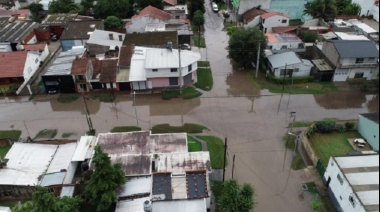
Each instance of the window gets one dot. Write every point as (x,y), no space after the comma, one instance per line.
(190,68)
(270,47)
(284,21)
(284,47)
(296,70)
(359,75)
(359,60)
(155,70)
(340,179)
(173,70)
(352,200)
(173,81)
(283,72)
(371,59)
(51,190)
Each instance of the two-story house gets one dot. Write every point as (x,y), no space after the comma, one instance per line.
(82,71)
(353,59)
(273,19)
(158,68)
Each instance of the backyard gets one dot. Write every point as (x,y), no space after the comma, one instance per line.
(326,145)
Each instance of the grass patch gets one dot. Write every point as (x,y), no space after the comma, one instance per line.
(205,80)
(216,148)
(193,145)
(104,97)
(300,124)
(186,128)
(67,135)
(14,135)
(67,98)
(303,88)
(312,188)
(4,150)
(332,144)
(47,133)
(170,94)
(203,64)
(298,162)
(125,129)
(190,93)
(199,41)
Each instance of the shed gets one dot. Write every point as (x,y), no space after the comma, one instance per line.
(368,127)
(289,64)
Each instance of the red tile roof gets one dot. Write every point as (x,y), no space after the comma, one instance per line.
(252,14)
(80,66)
(35,47)
(5,12)
(171,2)
(154,12)
(12,64)
(270,14)
(284,29)
(22,13)
(125,55)
(108,70)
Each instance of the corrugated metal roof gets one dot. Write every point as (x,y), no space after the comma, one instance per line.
(180,163)
(15,32)
(135,186)
(283,59)
(53,179)
(67,191)
(183,206)
(135,205)
(355,48)
(63,63)
(85,148)
(134,165)
(164,58)
(62,158)
(355,162)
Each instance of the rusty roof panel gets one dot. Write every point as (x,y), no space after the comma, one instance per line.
(184,162)
(134,165)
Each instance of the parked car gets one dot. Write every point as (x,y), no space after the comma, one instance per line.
(226,14)
(185,46)
(215,7)
(54,37)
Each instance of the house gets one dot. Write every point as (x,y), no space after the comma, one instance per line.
(152,39)
(102,41)
(252,17)
(353,182)
(282,42)
(170,2)
(82,71)
(122,77)
(293,8)
(17,67)
(362,28)
(273,19)
(324,72)
(15,34)
(77,33)
(42,49)
(245,5)
(177,11)
(30,164)
(288,29)
(157,68)
(151,18)
(289,64)
(58,77)
(368,127)
(104,76)
(346,36)
(353,59)
(57,23)
(160,172)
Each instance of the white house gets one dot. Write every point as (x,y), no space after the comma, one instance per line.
(353,59)
(353,182)
(273,19)
(281,42)
(102,41)
(252,17)
(368,127)
(156,68)
(289,64)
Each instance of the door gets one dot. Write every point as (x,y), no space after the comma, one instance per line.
(188,79)
(173,81)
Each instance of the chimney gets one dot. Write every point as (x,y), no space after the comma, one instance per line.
(120,38)
(111,36)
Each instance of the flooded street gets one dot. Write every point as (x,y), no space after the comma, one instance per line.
(254,121)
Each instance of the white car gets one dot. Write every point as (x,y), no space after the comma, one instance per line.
(215,7)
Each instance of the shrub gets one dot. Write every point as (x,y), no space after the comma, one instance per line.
(340,129)
(325,126)
(308,37)
(288,80)
(310,132)
(316,204)
(169,94)
(349,125)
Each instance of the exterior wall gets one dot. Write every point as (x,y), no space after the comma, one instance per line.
(352,61)
(31,65)
(33,40)
(302,72)
(342,75)
(370,131)
(341,192)
(375,12)
(255,22)
(292,46)
(159,82)
(167,72)
(45,53)
(139,24)
(366,6)
(330,52)
(274,21)
(293,8)
(5,47)
(70,173)
(95,49)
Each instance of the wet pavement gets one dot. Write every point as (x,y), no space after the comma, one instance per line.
(254,121)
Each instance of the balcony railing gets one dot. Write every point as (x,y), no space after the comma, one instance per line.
(358,65)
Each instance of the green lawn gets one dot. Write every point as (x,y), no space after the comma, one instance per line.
(302,88)
(47,133)
(332,144)
(4,150)
(67,98)
(199,43)
(203,64)
(125,129)
(194,145)
(67,135)
(205,80)
(216,148)
(190,93)
(186,128)
(169,94)
(14,135)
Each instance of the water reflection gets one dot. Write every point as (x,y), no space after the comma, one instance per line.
(347,100)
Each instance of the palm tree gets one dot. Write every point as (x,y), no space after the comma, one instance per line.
(321,9)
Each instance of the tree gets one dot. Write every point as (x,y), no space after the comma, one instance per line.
(63,6)
(87,7)
(244,44)
(352,9)
(195,5)
(118,8)
(43,200)
(112,22)
(341,6)
(100,189)
(199,21)
(326,9)
(155,3)
(236,198)
(35,10)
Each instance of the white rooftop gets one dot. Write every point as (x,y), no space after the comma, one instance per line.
(283,59)
(62,158)
(364,27)
(164,58)
(369,197)
(358,162)
(137,70)
(85,148)
(345,36)
(183,206)
(136,205)
(5,209)
(135,186)
(180,163)
(101,37)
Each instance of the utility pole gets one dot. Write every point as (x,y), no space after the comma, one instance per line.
(233,166)
(286,71)
(180,69)
(258,60)
(134,104)
(88,118)
(225,159)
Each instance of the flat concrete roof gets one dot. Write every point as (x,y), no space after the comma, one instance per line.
(322,65)
(181,205)
(135,186)
(134,205)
